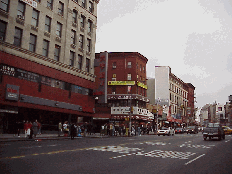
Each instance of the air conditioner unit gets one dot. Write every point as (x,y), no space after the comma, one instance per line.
(113,79)
(20,17)
(113,92)
(114,66)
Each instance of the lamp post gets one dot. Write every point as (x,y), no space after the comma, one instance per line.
(130,88)
(157,114)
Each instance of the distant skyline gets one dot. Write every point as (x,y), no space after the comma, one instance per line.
(193,38)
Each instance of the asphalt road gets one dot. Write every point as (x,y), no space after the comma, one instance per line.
(181,153)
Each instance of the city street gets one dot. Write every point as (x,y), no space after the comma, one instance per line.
(181,153)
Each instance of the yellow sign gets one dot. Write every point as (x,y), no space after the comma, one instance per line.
(121,82)
(142,85)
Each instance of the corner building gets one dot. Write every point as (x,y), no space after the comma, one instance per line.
(126,87)
(47,52)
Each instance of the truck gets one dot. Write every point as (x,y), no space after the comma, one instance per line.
(213,130)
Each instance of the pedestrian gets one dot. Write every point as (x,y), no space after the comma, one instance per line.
(26,129)
(65,128)
(35,128)
(73,131)
(59,129)
(30,130)
(39,128)
(18,128)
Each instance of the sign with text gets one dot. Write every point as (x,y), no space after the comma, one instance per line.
(12,92)
(121,82)
(31,3)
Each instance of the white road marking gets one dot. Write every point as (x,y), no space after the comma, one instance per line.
(194,159)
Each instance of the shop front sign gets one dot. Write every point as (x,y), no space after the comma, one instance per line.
(12,92)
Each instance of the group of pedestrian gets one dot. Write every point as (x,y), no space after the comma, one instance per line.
(32,129)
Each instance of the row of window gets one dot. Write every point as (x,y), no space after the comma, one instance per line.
(129,65)
(25,75)
(139,90)
(5,4)
(45,47)
(178,90)
(140,78)
(35,18)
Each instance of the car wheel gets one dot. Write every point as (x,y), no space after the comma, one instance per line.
(158,135)
(205,138)
(163,135)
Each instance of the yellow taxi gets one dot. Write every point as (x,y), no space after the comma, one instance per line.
(227,130)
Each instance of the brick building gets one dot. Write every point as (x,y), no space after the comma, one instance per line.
(126,86)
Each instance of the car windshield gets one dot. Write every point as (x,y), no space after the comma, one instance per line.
(178,128)
(213,125)
(164,128)
(191,127)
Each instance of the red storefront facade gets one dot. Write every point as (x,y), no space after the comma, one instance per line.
(32,91)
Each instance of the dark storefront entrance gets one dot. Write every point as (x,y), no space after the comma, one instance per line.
(49,120)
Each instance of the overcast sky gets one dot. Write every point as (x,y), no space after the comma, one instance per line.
(193,37)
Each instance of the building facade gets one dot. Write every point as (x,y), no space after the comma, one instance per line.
(126,87)
(47,52)
(173,93)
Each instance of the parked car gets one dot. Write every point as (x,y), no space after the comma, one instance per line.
(227,130)
(192,130)
(166,131)
(179,130)
(214,130)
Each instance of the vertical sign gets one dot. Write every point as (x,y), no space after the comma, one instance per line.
(103,77)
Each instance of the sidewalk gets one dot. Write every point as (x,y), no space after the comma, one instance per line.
(51,136)
(45,136)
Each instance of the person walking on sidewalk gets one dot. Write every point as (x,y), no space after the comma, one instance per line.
(39,128)
(30,130)
(35,128)
(26,129)
(59,129)
(73,131)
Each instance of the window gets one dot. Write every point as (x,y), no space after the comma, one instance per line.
(90,7)
(140,68)
(58,29)
(82,21)
(81,39)
(35,18)
(18,36)
(144,69)
(114,65)
(4,5)
(50,4)
(74,16)
(128,76)
(137,65)
(57,53)
(129,65)
(87,65)
(83,3)
(48,24)
(21,10)
(72,58)
(89,45)
(45,48)
(89,26)
(2,30)
(32,42)
(79,63)
(61,8)
(219,108)
(73,37)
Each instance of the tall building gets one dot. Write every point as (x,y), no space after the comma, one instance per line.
(47,52)
(173,93)
(126,86)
